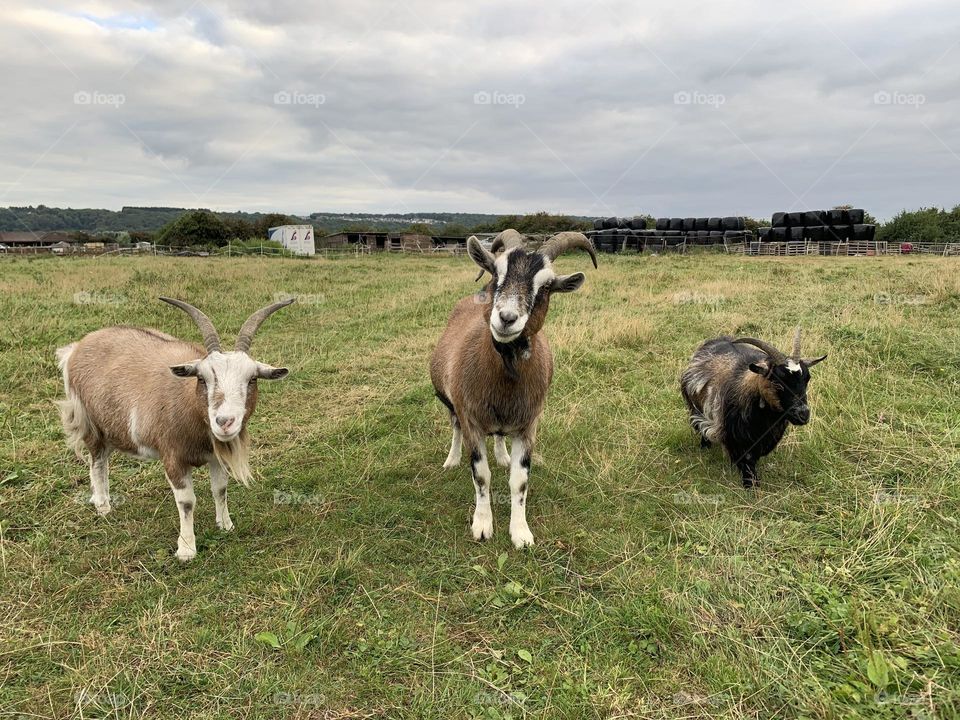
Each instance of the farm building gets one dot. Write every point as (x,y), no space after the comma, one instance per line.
(295,238)
(27,241)
(392,241)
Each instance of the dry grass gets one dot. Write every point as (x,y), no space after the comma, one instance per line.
(658,587)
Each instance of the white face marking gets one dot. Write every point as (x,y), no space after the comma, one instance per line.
(227,376)
(793,365)
(511,303)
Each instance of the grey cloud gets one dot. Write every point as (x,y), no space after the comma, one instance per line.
(600,109)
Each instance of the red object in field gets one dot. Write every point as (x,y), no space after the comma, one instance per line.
(906,248)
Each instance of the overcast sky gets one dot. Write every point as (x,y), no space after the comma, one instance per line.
(594,108)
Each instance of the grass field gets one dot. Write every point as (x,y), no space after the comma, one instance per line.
(351,588)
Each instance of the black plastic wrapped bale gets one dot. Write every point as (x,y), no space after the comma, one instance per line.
(733,223)
(703,236)
(838,217)
(689,224)
(779,233)
(676,223)
(812,217)
(701,223)
(638,223)
(763,234)
(794,219)
(715,224)
(609,223)
(622,223)
(598,224)
(864,232)
(856,216)
(779,219)
(796,233)
(716,235)
(672,233)
(815,233)
(839,233)
(663,224)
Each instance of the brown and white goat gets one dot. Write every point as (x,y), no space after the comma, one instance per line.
(148,394)
(493,366)
(743,394)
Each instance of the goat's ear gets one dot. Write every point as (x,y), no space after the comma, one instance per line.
(185,370)
(760,368)
(567,283)
(481,256)
(810,362)
(268,372)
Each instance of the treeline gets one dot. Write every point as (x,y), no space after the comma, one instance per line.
(178,226)
(440,223)
(202,227)
(89,220)
(923,225)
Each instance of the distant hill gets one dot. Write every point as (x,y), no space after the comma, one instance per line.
(90,220)
(150,219)
(332,222)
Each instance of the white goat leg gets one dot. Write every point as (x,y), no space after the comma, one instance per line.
(482,514)
(519,473)
(100,481)
(186,502)
(218,488)
(500,451)
(456,445)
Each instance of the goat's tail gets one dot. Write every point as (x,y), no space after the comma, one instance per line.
(76,423)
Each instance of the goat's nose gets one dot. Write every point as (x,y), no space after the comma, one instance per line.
(508,316)
(224,421)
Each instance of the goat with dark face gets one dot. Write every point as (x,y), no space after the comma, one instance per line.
(493,365)
(743,394)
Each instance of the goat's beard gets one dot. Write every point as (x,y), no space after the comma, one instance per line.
(234,455)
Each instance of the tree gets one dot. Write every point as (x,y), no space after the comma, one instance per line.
(455,230)
(924,225)
(270,220)
(196,227)
(420,229)
(535,223)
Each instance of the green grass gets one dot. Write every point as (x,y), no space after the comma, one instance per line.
(658,587)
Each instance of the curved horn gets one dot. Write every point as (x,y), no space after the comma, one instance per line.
(796,344)
(775,355)
(211,341)
(254,321)
(506,240)
(565,241)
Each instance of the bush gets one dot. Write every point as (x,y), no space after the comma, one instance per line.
(194,228)
(535,223)
(924,225)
